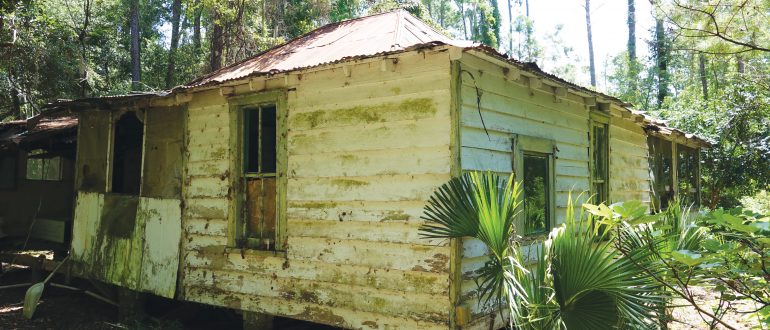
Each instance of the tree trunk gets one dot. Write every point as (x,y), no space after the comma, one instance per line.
(661,59)
(527,4)
(631,47)
(510,28)
(15,101)
(136,69)
(741,65)
(461,4)
(496,27)
(592,65)
(82,34)
(176,12)
(442,9)
(702,73)
(217,42)
(197,27)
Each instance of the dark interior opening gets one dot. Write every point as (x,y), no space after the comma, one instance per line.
(127,155)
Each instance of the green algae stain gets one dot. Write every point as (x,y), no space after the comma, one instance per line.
(348,183)
(410,109)
(395,216)
(348,158)
(312,205)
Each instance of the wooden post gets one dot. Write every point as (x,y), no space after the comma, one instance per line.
(257,321)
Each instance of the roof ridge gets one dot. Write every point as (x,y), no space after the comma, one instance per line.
(432,28)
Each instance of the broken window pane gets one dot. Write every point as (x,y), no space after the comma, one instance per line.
(251,139)
(536,194)
(600,171)
(41,166)
(687,175)
(260,139)
(267,136)
(661,171)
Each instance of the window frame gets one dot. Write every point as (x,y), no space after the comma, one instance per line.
(45,161)
(599,119)
(528,145)
(237,106)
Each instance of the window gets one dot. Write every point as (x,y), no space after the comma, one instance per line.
(127,154)
(41,166)
(259,229)
(661,170)
(533,165)
(8,172)
(687,175)
(600,150)
(536,193)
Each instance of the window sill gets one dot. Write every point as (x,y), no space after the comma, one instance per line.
(255,253)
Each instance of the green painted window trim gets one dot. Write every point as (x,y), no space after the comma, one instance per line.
(599,119)
(237,162)
(521,145)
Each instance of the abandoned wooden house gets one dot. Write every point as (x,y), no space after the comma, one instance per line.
(37,158)
(292,183)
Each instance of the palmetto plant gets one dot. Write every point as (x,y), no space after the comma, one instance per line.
(576,282)
(596,286)
(481,205)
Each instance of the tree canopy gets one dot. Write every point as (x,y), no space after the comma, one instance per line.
(707,70)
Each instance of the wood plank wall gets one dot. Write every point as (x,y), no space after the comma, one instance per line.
(629,163)
(511,107)
(365,152)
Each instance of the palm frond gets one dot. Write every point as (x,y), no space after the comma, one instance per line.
(481,205)
(597,287)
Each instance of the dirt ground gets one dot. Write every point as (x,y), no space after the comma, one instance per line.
(61,308)
(58,309)
(687,317)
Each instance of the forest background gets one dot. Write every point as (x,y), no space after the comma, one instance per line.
(702,65)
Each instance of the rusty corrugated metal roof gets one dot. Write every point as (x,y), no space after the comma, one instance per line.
(387,32)
(56,124)
(376,35)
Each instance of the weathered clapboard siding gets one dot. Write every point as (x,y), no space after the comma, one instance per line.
(318,271)
(629,167)
(365,152)
(511,107)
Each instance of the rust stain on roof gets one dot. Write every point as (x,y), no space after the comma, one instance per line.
(387,32)
(61,125)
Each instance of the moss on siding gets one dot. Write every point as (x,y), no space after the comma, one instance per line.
(348,183)
(405,110)
(312,205)
(395,216)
